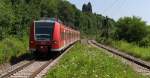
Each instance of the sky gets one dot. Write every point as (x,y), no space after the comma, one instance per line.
(118,8)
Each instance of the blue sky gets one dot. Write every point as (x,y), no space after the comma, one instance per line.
(118,8)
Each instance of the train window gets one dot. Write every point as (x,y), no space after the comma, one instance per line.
(69,34)
(62,35)
(43,30)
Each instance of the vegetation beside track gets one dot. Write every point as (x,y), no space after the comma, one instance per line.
(17,17)
(139,52)
(130,34)
(12,47)
(88,62)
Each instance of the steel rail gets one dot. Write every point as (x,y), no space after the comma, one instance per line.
(138,61)
(9,73)
(33,75)
(36,71)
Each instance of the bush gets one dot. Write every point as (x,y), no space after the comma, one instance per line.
(12,47)
(132,49)
(131,29)
(6,18)
(104,40)
(145,42)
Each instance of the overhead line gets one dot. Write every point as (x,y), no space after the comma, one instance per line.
(110,6)
(119,7)
(122,4)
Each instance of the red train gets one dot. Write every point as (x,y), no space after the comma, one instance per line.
(51,35)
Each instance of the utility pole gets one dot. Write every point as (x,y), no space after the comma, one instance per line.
(105,28)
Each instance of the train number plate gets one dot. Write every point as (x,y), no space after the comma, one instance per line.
(43,43)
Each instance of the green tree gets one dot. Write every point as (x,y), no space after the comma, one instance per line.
(49,8)
(84,8)
(6,18)
(132,29)
(107,28)
(87,8)
(67,13)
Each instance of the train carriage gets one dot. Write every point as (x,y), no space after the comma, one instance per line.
(51,35)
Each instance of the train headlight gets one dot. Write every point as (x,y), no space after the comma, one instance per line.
(54,42)
(31,42)
(41,47)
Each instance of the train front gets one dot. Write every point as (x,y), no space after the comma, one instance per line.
(41,34)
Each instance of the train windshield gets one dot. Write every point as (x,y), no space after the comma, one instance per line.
(43,30)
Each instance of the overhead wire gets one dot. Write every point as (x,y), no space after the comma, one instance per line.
(117,5)
(120,6)
(109,7)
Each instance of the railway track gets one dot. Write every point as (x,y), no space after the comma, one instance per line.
(130,58)
(32,69)
(28,70)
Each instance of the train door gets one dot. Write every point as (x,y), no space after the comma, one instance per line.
(62,36)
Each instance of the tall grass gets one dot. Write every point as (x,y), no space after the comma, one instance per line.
(12,46)
(84,61)
(139,52)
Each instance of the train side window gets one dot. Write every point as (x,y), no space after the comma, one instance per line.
(67,35)
(62,35)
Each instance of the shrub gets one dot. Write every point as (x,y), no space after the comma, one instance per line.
(12,46)
(132,49)
(131,29)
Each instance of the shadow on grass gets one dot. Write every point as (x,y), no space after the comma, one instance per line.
(30,56)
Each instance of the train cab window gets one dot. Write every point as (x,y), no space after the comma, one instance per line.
(43,30)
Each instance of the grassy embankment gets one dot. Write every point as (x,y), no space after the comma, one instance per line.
(139,52)
(12,47)
(88,62)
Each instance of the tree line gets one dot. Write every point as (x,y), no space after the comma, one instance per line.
(17,15)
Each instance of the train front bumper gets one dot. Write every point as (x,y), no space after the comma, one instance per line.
(43,49)
(32,49)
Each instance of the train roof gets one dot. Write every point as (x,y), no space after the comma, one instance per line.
(45,19)
(53,20)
